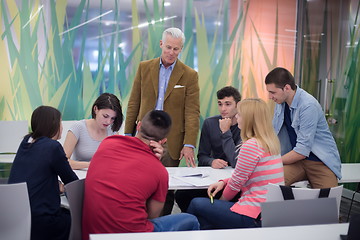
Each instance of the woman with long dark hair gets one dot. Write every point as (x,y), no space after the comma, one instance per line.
(39,161)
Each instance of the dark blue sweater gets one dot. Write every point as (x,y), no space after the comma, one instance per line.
(214,144)
(39,164)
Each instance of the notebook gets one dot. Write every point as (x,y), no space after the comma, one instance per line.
(299,212)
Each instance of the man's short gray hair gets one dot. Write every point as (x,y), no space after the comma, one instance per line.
(175,33)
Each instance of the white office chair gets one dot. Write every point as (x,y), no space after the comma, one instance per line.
(275,194)
(75,195)
(12,133)
(15,215)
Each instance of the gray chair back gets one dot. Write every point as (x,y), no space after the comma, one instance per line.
(75,195)
(15,214)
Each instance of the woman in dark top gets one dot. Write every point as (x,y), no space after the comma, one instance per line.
(39,161)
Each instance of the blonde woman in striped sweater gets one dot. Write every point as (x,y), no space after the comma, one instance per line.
(259,163)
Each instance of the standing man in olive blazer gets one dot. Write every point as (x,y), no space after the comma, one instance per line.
(167,84)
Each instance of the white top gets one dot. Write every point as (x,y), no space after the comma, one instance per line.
(318,232)
(86,145)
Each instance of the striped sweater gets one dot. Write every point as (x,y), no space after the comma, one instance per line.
(254,170)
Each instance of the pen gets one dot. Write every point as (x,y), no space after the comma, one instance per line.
(211,199)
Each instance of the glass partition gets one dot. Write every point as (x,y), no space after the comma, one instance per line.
(330,67)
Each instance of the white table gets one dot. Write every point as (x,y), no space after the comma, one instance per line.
(310,232)
(7,158)
(350,173)
(177,179)
(81,173)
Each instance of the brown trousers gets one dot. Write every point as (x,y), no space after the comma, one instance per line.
(316,172)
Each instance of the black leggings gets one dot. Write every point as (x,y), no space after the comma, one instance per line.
(51,227)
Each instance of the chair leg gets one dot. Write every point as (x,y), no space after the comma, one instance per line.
(352,200)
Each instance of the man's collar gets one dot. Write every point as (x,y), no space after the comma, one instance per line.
(171,66)
(296,98)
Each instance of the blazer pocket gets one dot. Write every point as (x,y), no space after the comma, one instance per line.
(178,93)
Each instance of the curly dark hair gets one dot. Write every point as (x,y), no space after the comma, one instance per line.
(229,91)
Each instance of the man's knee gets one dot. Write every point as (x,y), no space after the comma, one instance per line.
(324,181)
(294,173)
(319,175)
(290,178)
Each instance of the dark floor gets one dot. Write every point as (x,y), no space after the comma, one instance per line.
(344,208)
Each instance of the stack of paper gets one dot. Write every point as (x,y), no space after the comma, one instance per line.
(194,176)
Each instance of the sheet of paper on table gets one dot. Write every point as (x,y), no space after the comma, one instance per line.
(198,177)
(191,172)
(196,181)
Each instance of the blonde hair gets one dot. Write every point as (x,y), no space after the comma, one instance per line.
(257,123)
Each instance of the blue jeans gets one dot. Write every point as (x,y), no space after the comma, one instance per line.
(218,215)
(175,222)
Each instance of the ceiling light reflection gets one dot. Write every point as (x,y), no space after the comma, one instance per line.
(141,25)
(82,24)
(32,16)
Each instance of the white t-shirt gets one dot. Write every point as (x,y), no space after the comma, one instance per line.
(86,145)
